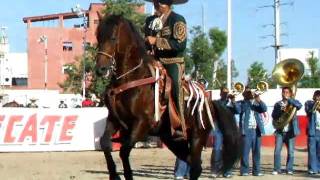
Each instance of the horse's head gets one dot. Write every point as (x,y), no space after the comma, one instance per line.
(113,36)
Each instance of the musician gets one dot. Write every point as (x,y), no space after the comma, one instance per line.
(251,128)
(312,108)
(228,101)
(169,45)
(287,134)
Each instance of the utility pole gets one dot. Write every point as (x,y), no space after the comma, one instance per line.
(203,18)
(82,14)
(277,30)
(44,39)
(229,46)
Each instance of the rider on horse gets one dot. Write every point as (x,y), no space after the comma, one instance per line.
(166,32)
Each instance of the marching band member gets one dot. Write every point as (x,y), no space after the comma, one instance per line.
(312,108)
(252,128)
(287,134)
(228,101)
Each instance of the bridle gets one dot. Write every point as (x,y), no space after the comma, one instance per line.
(113,65)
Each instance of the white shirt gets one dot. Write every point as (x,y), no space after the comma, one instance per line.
(252,121)
(317,120)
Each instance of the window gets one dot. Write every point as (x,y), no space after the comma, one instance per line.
(67,46)
(19,81)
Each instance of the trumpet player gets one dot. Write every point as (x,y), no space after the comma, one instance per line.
(252,128)
(226,100)
(287,134)
(312,108)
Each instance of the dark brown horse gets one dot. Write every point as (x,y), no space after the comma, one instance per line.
(122,56)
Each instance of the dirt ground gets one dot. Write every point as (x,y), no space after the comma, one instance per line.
(152,163)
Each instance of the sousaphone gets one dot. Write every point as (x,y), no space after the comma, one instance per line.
(287,73)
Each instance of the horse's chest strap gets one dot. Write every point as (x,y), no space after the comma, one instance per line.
(132,84)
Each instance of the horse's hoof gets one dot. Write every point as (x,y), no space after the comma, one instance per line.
(117,177)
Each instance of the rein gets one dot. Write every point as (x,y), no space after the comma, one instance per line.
(113,66)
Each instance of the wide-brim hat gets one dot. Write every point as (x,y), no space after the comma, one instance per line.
(173,1)
(33,99)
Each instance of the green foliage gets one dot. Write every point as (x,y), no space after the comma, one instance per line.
(218,41)
(202,57)
(74,71)
(257,73)
(126,8)
(311,79)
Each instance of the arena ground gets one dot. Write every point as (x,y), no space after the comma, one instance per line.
(152,163)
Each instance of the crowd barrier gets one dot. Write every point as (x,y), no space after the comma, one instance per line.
(40,129)
(78,129)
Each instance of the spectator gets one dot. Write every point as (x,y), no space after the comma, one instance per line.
(32,103)
(62,104)
(88,102)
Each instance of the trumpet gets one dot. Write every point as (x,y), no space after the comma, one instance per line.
(316,106)
(262,87)
(238,88)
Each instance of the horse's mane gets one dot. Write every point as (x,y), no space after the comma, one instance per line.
(108,22)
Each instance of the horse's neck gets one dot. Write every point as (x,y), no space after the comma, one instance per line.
(132,69)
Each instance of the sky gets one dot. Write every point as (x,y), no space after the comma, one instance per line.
(300,24)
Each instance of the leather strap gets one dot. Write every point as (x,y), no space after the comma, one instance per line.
(132,84)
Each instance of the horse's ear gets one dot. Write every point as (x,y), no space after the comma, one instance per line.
(100,16)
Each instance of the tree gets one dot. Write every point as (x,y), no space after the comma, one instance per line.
(200,53)
(221,74)
(257,73)
(126,8)
(202,57)
(311,80)
(74,71)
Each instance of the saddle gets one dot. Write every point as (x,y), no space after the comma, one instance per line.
(192,90)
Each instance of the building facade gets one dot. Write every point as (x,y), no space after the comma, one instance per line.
(51,48)
(303,54)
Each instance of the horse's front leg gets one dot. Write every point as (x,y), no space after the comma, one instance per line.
(106,146)
(197,143)
(139,131)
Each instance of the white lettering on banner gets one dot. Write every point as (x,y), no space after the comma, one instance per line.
(35,130)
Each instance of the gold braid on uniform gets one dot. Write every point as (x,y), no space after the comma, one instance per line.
(162,44)
(180,31)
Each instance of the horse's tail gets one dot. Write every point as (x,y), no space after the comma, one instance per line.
(232,143)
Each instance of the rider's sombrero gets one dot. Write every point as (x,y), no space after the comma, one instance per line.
(173,1)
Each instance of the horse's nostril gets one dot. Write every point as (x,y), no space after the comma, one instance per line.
(101,71)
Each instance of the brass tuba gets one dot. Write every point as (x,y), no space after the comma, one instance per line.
(287,73)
